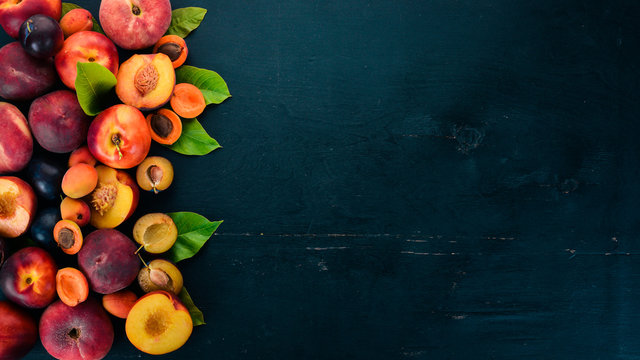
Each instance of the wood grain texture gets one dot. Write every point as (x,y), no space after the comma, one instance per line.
(415,179)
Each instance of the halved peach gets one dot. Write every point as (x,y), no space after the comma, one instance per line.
(146,81)
(158,323)
(114,199)
(17,206)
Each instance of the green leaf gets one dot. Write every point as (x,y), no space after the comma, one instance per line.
(213,87)
(93,85)
(66,7)
(194,140)
(196,314)
(185,20)
(193,231)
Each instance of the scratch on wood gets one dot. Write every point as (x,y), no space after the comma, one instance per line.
(327,248)
(428,253)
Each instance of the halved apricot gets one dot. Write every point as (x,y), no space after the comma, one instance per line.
(160,275)
(146,81)
(155,232)
(174,47)
(154,173)
(165,126)
(187,100)
(68,236)
(72,286)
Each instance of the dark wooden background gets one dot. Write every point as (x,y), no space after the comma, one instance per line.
(415,180)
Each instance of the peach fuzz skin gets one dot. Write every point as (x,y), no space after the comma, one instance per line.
(16,142)
(135,31)
(119,137)
(28,278)
(85,46)
(14,12)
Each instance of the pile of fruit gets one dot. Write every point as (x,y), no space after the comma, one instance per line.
(65,256)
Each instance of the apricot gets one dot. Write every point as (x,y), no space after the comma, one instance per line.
(81,155)
(119,303)
(187,100)
(158,323)
(79,180)
(156,232)
(68,236)
(114,199)
(174,47)
(72,286)
(108,260)
(75,210)
(165,126)
(154,173)
(146,81)
(75,21)
(160,275)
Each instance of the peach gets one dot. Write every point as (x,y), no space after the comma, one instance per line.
(17,206)
(156,232)
(16,143)
(154,173)
(58,122)
(81,155)
(160,275)
(76,20)
(135,25)
(28,278)
(81,332)
(85,46)
(80,180)
(114,199)
(23,77)
(158,323)
(108,259)
(18,331)
(75,210)
(119,303)
(119,137)
(146,81)
(14,12)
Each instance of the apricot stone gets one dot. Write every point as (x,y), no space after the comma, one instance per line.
(146,81)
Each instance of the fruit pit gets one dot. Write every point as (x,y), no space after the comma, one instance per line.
(146,79)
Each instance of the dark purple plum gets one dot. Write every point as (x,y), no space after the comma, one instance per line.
(45,176)
(42,227)
(41,36)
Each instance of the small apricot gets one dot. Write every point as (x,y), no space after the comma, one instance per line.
(165,126)
(174,47)
(187,100)
(160,275)
(82,155)
(79,180)
(119,303)
(72,286)
(76,20)
(68,236)
(155,232)
(154,173)
(75,210)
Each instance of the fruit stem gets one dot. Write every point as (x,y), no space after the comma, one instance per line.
(140,248)
(116,141)
(145,264)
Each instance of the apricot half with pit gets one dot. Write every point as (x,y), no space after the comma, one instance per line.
(146,81)
(160,274)
(155,173)
(155,232)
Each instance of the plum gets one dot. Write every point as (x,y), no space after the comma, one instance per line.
(45,175)
(41,36)
(108,259)
(42,227)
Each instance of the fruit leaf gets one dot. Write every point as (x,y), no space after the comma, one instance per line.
(185,20)
(194,140)
(193,231)
(196,314)
(66,7)
(213,87)
(93,85)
